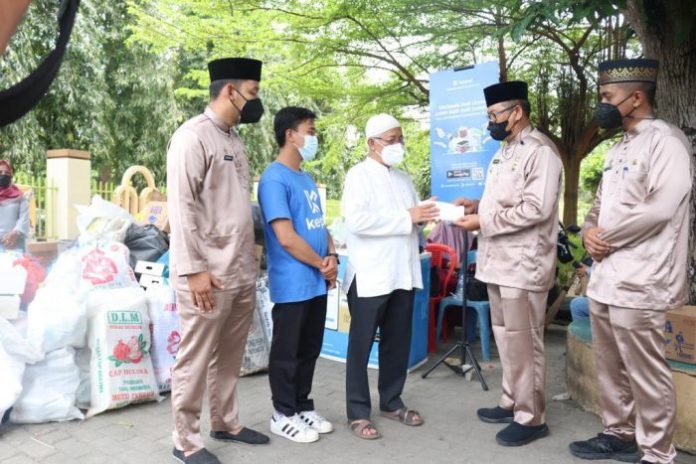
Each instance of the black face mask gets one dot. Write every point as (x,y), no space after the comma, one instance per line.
(498,130)
(5,180)
(608,116)
(251,112)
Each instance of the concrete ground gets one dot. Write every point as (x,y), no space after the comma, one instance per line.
(452,433)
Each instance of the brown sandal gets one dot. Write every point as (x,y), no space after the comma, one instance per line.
(359,426)
(405,416)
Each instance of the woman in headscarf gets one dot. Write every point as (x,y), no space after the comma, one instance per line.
(14,211)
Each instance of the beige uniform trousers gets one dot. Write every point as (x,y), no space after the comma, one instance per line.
(635,380)
(518,318)
(210,355)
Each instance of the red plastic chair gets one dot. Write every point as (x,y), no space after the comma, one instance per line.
(445,259)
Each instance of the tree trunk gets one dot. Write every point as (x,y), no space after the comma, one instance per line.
(668,37)
(571,166)
(502,60)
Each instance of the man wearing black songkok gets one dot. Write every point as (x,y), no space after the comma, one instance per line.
(212,258)
(517,219)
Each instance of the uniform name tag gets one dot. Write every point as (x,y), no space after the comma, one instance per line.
(229,157)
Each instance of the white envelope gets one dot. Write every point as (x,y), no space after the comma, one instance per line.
(449,212)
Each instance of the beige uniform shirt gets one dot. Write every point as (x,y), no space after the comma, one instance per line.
(209,203)
(519,214)
(643,204)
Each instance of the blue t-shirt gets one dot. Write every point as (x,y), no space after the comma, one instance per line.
(293,195)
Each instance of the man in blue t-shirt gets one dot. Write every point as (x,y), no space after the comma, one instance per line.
(302,264)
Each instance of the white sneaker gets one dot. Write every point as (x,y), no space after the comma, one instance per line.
(316,421)
(293,428)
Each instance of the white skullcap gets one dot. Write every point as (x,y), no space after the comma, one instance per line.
(378,125)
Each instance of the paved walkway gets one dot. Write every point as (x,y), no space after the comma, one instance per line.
(141,434)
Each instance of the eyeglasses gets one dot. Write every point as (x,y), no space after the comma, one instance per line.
(493,115)
(392,141)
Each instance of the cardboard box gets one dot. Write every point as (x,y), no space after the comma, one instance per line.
(147,280)
(337,326)
(343,314)
(155,212)
(9,306)
(337,314)
(680,335)
(149,267)
(150,273)
(13,282)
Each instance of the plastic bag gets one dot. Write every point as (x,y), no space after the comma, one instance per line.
(35,276)
(258,345)
(15,353)
(65,271)
(264,306)
(11,372)
(146,243)
(56,319)
(339,232)
(7,259)
(105,266)
(257,215)
(121,371)
(257,349)
(164,327)
(164,259)
(102,220)
(49,388)
(83,359)
(15,344)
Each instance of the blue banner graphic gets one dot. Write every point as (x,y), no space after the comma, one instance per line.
(460,146)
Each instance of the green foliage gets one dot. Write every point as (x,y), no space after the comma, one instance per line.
(116,102)
(346,60)
(563,12)
(591,171)
(566,271)
(135,70)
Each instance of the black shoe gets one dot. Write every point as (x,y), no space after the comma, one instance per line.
(246,435)
(6,416)
(202,456)
(517,434)
(496,415)
(605,446)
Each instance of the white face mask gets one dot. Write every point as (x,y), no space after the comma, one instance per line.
(308,151)
(393,154)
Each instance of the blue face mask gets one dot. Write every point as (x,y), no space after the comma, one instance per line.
(308,151)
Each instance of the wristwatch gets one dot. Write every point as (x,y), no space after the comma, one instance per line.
(335,255)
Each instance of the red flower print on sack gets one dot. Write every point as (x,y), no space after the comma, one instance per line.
(173,342)
(98,268)
(121,352)
(135,355)
(131,352)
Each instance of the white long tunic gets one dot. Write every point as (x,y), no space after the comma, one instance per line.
(382,240)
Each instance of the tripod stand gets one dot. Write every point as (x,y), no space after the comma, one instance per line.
(466,352)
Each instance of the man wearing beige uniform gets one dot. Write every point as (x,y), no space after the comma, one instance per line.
(637,233)
(212,258)
(518,221)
